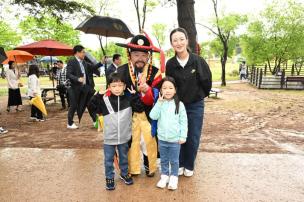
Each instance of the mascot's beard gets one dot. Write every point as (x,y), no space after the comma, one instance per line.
(139,69)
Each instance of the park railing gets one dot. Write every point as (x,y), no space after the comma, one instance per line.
(284,78)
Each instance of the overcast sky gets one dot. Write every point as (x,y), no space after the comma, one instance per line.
(125,10)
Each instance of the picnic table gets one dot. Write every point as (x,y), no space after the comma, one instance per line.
(44,94)
(214,91)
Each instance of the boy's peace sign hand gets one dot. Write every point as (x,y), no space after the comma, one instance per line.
(132,91)
(160,97)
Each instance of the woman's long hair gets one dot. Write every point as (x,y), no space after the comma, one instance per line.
(10,64)
(33,69)
(175,97)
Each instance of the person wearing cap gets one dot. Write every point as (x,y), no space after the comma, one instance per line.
(141,75)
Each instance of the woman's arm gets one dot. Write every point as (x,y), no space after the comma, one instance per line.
(205,76)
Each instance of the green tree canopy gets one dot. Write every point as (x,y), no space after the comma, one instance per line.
(277,36)
(9,38)
(159,31)
(56,8)
(224,28)
(49,28)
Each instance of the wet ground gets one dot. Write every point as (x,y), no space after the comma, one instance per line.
(77,175)
(252,150)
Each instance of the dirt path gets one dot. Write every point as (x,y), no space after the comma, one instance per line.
(252,150)
(242,120)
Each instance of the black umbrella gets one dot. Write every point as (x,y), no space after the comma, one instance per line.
(105,26)
(2,55)
(90,59)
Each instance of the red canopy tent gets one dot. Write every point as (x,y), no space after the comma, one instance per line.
(47,47)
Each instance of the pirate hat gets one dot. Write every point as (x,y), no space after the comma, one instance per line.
(144,43)
(138,43)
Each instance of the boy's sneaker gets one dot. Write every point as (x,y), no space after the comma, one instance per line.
(73,126)
(110,184)
(181,171)
(128,180)
(162,183)
(188,173)
(40,120)
(3,131)
(173,182)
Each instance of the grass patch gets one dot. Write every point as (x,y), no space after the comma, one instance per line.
(231,71)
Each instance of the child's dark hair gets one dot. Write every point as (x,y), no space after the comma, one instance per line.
(33,69)
(175,97)
(115,77)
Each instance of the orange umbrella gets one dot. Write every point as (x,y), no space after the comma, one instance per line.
(18,56)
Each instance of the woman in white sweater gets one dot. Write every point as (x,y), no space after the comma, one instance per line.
(34,90)
(14,95)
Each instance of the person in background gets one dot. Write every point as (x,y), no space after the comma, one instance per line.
(243,70)
(14,95)
(54,70)
(33,91)
(62,84)
(80,74)
(113,67)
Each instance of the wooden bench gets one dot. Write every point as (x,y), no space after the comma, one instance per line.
(214,91)
(44,92)
(294,79)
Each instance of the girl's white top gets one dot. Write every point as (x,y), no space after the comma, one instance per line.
(33,85)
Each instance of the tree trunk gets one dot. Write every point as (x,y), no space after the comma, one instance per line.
(136,5)
(186,20)
(269,65)
(223,63)
(144,16)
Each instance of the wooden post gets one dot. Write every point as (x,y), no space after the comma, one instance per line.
(261,78)
(257,76)
(253,75)
(282,78)
(265,69)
